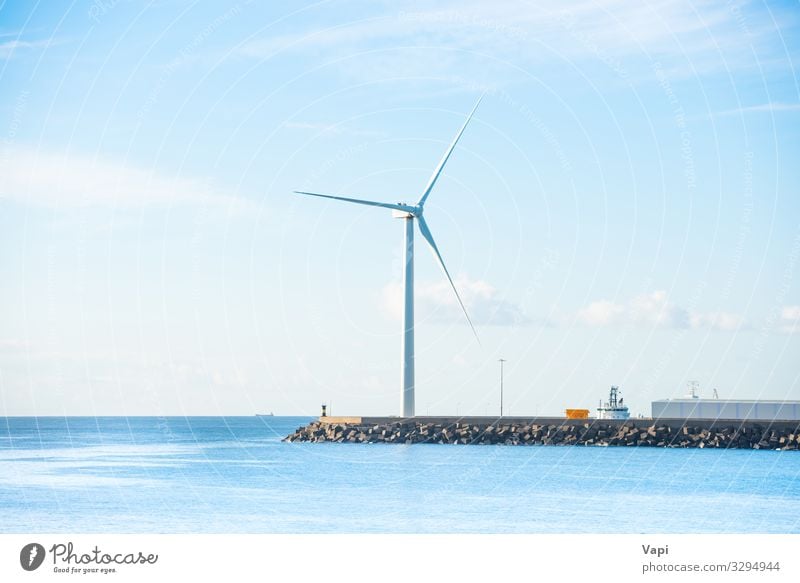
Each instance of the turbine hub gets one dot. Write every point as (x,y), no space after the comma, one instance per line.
(407,211)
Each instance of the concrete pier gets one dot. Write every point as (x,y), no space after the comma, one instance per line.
(645,432)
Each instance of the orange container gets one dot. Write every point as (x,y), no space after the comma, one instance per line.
(577,413)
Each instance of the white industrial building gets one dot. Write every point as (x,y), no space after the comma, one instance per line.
(740,410)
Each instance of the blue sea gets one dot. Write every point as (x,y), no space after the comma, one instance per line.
(234,475)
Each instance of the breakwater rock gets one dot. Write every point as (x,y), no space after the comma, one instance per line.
(691,434)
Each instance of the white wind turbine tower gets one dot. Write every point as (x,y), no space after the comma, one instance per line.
(409,213)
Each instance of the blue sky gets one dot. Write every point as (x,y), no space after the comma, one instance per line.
(623,209)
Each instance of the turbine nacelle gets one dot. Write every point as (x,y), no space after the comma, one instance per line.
(407,212)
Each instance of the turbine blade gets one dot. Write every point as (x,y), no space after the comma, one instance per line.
(438,170)
(426,233)
(397,207)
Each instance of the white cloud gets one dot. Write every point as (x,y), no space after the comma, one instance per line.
(718,321)
(68,180)
(601,313)
(790,319)
(436,302)
(655,309)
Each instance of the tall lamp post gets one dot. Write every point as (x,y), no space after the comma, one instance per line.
(501,360)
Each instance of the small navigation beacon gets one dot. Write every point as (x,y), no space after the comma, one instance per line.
(324,411)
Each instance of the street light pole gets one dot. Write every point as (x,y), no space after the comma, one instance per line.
(501,360)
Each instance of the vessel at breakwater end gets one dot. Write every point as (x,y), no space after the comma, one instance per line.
(614,408)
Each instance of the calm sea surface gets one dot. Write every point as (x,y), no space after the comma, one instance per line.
(233,474)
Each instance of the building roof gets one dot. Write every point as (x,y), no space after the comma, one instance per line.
(753,401)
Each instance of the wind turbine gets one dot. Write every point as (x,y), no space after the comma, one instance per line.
(409,213)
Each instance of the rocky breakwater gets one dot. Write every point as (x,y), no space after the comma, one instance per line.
(592,432)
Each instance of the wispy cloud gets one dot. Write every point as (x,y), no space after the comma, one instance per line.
(655,309)
(608,30)
(11,47)
(336,129)
(348,33)
(70,180)
(762,108)
(12,346)
(435,302)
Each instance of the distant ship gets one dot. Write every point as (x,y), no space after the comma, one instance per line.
(613,408)
(270,414)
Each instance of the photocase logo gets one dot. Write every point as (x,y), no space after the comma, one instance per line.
(31,556)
